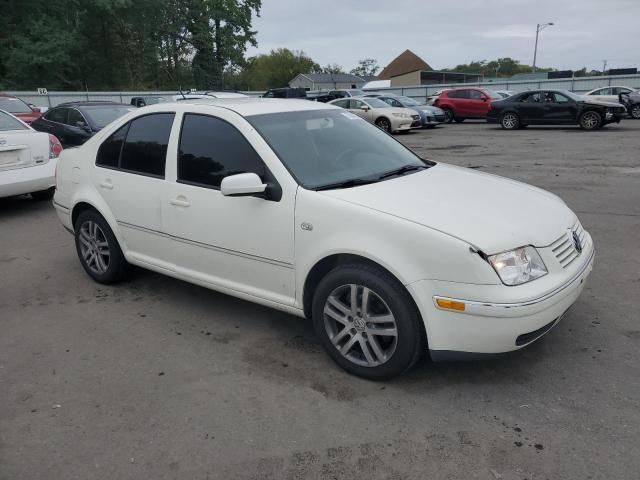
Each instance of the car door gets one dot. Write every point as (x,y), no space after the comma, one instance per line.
(238,244)
(360,108)
(76,129)
(531,108)
(130,177)
(477,104)
(53,122)
(602,95)
(461,102)
(559,109)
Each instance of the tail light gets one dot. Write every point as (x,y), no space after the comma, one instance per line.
(55,147)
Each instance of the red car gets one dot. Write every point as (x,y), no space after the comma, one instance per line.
(19,108)
(461,103)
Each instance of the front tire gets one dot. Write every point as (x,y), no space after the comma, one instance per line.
(634,111)
(367,322)
(590,120)
(98,249)
(510,121)
(384,124)
(448,115)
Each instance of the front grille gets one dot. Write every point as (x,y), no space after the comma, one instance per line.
(440,118)
(564,248)
(531,336)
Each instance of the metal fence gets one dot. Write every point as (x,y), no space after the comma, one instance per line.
(419,92)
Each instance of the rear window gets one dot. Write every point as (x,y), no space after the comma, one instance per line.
(14,105)
(7,122)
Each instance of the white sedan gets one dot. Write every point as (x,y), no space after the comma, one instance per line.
(27,159)
(607,94)
(311,210)
(381,114)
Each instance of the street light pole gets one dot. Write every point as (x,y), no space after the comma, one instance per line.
(539,28)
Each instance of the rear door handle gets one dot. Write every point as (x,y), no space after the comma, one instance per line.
(180,201)
(106,184)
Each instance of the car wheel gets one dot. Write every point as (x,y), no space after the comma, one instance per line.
(367,322)
(43,194)
(448,115)
(384,124)
(98,249)
(459,120)
(510,121)
(635,111)
(590,120)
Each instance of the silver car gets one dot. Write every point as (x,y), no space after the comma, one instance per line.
(381,114)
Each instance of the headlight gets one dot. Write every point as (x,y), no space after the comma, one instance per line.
(518,266)
(401,115)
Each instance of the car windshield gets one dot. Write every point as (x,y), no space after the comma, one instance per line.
(376,103)
(325,147)
(409,102)
(103,115)
(495,95)
(7,122)
(14,105)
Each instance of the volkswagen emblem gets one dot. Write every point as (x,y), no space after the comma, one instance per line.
(576,242)
(2,141)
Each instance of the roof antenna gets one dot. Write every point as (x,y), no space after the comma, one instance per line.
(173,81)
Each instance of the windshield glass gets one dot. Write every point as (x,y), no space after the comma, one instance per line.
(323,147)
(376,103)
(7,122)
(102,116)
(409,102)
(14,105)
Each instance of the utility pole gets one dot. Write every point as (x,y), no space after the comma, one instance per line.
(539,28)
(604,66)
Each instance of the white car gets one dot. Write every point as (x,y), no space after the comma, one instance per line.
(27,159)
(308,209)
(505,93)
(381,114)
(607,94)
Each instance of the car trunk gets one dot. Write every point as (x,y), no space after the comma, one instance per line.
(23,148)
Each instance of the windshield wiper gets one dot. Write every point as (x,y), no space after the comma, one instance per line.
(402,171)
(354,182)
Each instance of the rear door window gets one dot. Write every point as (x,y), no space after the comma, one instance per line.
(109,151)
(58,115)
(145,148)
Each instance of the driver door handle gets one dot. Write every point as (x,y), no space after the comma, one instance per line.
(106,184)
(180,201)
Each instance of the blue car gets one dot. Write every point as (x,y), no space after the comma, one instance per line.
(430,116)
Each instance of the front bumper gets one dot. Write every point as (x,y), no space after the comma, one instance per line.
(492,327)
(28,179)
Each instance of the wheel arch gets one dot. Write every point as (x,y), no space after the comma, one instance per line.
(85,202)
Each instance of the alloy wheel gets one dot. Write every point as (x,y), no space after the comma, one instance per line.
(635,111)
(94,247)
(360,325)
(509,121)
(590,120)
(384,124)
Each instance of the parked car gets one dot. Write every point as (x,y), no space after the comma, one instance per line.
(553,107)
(505,93)
(27,159)
(73,123)
(461,103)
(607,94)
(432,98)
(347,93)
(147,100)
(299,93)
(321,215)
(381,114)
(631,102)
(19,108)
(430,116)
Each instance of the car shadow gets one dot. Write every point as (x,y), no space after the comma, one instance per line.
(21,205)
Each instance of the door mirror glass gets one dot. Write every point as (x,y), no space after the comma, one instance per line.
(364,107)
(242,184)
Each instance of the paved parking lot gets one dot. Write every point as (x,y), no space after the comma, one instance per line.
(159,379)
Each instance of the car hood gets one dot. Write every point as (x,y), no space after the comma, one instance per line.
(27,117)
(429,108)
(393,110)
(600,103)
(489,212)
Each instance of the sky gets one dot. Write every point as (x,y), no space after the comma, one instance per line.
(448,33)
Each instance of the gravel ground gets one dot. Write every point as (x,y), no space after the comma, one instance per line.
(159,379)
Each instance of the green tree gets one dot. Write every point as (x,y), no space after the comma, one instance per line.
(501,67)
(332,68)
(366,67)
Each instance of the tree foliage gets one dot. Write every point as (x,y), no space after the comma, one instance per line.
(118,44)
(366,67)
(502,67)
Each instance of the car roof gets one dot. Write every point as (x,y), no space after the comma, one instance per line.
(90,104)
(250,105)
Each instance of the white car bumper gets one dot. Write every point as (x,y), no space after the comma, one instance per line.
(492,327)
(28,179)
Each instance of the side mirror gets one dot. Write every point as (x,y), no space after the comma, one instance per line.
(484,99)
(35,109)
(366,108)
(241,185)
(83,126)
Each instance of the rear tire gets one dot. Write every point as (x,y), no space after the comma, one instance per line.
(590,120)
(354,332)
(459,119)
(98,249)
(448,115)
(384,124)
(510,121)
(43,194)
